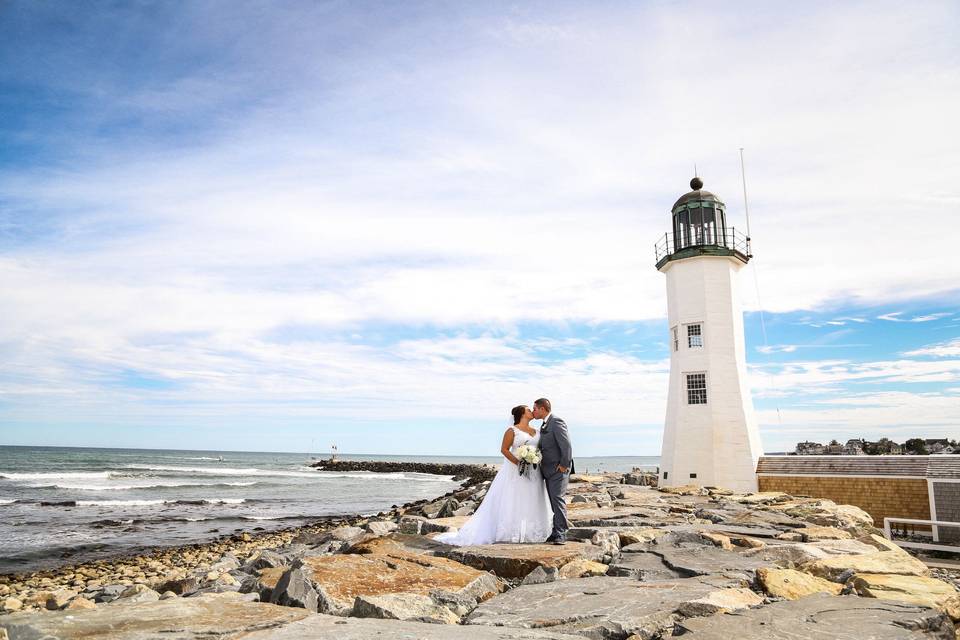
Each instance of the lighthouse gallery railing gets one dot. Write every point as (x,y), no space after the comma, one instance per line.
(726,238)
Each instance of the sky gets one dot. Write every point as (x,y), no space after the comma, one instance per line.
(277,226)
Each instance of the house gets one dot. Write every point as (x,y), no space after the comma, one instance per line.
(937,445)
(833,449)
(809,448)
(854,447)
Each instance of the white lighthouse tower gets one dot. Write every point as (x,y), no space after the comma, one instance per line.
(710,437)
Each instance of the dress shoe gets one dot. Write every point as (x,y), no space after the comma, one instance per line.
(561,539)
(551,539)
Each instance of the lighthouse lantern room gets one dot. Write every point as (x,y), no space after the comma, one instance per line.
(710,435)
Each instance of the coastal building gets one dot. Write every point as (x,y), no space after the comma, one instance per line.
(809,448)
(710,432)
(854,447)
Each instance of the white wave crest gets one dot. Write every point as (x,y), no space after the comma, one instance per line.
(91,475)
(261,517)
(150,503)
(5,501)
(218,471)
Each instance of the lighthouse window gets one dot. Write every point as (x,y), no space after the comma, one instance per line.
(676,340)
(694,336)
(696,388)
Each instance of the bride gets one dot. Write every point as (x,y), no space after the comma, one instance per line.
(516,508)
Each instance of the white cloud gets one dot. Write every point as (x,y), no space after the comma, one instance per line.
(942,350)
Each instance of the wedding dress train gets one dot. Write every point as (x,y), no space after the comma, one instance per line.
(515,509)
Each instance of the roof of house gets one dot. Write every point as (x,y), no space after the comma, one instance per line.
(907,466)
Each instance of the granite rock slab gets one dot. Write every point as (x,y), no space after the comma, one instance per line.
(223,616)
(324,627)
(517,560)
(603,607)
(824,617)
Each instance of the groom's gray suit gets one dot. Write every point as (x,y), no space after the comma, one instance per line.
(556,450)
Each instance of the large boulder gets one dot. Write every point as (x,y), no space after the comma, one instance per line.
(792,584)
(388,568)
(920,590)
(207,616)
(517,560)
(824,617)
(596,607)
(403,606)
(841,568)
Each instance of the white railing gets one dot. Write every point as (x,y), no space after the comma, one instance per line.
(935,529)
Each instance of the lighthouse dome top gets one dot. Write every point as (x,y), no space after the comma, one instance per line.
(697,194)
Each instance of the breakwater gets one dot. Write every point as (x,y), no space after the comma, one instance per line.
(471,473)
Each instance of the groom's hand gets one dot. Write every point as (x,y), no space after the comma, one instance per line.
(561,469)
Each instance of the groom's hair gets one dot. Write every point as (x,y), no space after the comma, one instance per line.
(543,403)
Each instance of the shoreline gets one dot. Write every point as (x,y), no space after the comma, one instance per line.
(254,537)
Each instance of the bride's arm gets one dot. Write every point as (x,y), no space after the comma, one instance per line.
(505,447)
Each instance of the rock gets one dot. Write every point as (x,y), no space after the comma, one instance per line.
(582,569)
(517,560)
(542,575)
(138,593)
(685,490)
(166,595)
(391,570)
(823,617)
(208,616)
(581,498)
(442,525)
(411,525)
(381,527)
(179,585)
(80,603)
(328,627)
(919,590)
(790,536)
(721,600)
(110,592)
(59,599)
(639,536)
(792,584)
(403,606)
(718,539)
(345,534)
(594,607)
(815,534)
(11,604)
(607,541)
(647,567)
(840,568)
(700,560)
(295,589)
(788,555)
(264,559)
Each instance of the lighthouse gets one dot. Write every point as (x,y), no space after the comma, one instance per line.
(710,436)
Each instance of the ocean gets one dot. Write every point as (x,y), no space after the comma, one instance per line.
(63,505)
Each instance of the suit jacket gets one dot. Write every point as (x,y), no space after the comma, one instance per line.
(555,446)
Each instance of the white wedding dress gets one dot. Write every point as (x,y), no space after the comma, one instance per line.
(515,509)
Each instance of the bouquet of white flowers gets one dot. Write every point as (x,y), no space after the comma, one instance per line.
(528,457)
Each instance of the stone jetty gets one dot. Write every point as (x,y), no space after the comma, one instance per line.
(641,563)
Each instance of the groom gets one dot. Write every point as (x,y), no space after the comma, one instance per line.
(556,465)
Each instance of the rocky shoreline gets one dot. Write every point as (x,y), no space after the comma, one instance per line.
(471,474)
(642,563)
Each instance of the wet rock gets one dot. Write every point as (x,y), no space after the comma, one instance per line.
(517,560)
(174,619)
(824,617)
(792,584)
(403,606)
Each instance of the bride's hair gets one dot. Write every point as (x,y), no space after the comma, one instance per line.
(518,412)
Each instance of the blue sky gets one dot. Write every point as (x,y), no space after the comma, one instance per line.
(239,225)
